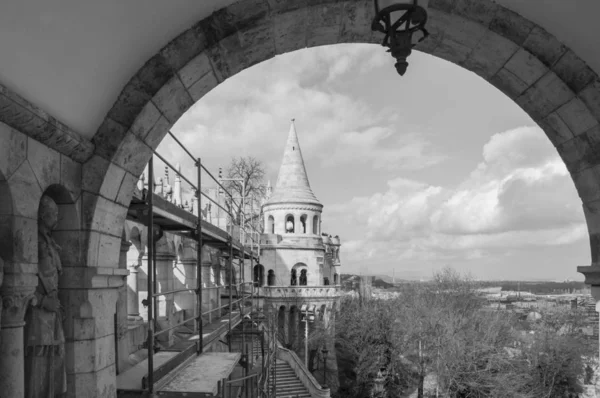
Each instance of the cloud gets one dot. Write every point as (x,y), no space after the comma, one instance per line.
(251,111)
(519,197)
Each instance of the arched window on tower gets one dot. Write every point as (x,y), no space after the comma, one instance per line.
(259,275)
(303,219)
(303,277)
(315,225)
(293,279)
(271,225)
(335,279)
(289,224)
(271,278)
(326,281)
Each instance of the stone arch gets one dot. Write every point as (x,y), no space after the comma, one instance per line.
(315,225)
(271,278)
(546,78)
(303,223)
(259,275)
(281,325)
(271,225)
(289,224)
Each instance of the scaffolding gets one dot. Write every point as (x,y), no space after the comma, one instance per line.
(173,372)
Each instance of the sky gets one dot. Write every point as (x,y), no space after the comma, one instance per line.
(436,168)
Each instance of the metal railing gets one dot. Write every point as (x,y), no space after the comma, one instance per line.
(152,287)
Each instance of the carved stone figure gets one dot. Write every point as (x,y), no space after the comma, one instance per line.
(45,374)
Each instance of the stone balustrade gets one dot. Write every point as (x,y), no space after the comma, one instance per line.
(302,291)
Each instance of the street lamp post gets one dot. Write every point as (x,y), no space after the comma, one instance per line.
(325,351)
(307,317)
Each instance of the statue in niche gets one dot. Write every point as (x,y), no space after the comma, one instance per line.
(45,374)
(303,278)
(293,281)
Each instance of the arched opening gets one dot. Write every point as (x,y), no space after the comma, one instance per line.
(6,222)
(326,281)
(290,225)
(271,225)
(271,278)
(294,277)
(259,275)
(281,326)
(315,225)
(303,277)
(335,279)
(303,219)
(294,325)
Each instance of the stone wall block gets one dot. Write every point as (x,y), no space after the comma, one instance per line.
(591,148)
(511,25)
(126,190)
(357,17)
(173,99)
(290,31)
(544,46)
(461,30)
(103,215)
(226,21)
(195,70)
(572,153)
(112,181)
(258,43)
(145,120)
(324,23)
(133,154)
(203,86)
(45,163)
(526,67)
(99,384)
(442,5)
(108,251)
(14,267)
(26,191)
(577,116)
(23,245)
(13,146)
(545,96)
(282,6)
(153,76)
(70,175)
(452,51)
(158,132)
(591,96)
(586,182)
(108,137)
(92,238)
(184,47)
(556,129)
(93,172)
(492,52)
(130,103)
(218,62)
(72,247)
(427,46)
(476,10)
(574,71)
(90,355)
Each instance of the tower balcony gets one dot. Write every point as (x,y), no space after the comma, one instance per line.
(293,292)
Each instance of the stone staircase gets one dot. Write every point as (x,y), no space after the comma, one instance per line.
(288,384)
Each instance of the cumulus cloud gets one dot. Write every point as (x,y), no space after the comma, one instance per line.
(249,115)
(520,196)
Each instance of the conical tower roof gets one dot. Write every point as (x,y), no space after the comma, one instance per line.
(292,182)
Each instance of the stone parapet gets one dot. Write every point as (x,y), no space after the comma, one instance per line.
(302,291)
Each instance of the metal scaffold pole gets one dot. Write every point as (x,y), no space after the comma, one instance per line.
(199,259)
(230,285)
(149,299)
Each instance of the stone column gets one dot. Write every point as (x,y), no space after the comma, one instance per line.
(16,297)
(122,348)
(133,299)
(164,278)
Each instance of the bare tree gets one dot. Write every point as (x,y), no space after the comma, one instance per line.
(245,181)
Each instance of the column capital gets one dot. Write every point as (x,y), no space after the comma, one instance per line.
(15,301)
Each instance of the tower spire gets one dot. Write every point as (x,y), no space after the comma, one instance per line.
(292,181)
